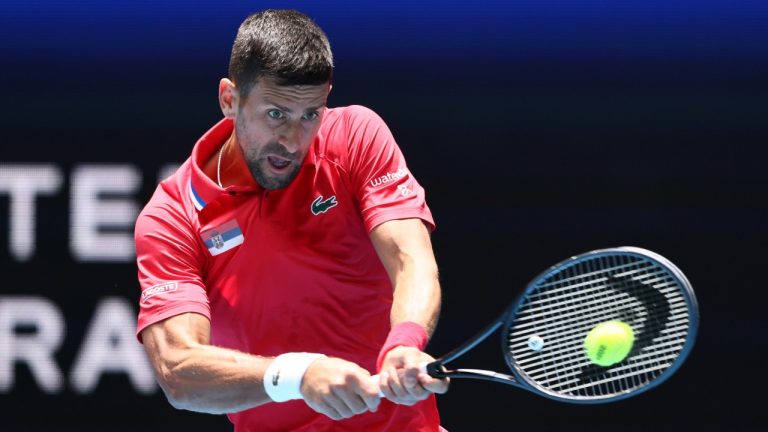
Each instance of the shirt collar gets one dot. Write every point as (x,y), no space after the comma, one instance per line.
(202,189)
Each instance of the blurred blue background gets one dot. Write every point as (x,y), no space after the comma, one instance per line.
(540,129)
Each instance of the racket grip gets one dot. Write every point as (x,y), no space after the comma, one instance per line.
(375,378)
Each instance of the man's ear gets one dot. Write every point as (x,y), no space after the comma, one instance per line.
(229,98)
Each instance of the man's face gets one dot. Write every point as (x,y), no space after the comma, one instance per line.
(275,126)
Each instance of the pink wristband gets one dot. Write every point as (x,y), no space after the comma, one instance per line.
(406,333)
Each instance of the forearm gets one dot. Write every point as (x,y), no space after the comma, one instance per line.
(416,296)
(200,377)
(405,249)
(401,358)
(217,381)
(214,380)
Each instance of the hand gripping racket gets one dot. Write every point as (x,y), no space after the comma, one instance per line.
(543,331)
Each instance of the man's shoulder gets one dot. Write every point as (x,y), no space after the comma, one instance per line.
(174,185)
(347,127)
(351,114)
(171,195)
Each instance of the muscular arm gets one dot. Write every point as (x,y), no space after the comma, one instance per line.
(405,250)
(199,377)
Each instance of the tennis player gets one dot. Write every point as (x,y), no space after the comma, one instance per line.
(289,258)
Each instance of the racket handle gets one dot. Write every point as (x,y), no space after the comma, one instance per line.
(375,378)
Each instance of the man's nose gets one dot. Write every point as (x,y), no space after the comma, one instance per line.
(290,137)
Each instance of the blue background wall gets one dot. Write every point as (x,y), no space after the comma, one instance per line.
(540,129)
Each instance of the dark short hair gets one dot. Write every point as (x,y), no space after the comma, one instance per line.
(284,45)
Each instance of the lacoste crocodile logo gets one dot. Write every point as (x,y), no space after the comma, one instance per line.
(319,205)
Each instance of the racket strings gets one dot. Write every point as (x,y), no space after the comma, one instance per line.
(593,306)
(563,347)
(545,376)
(565,306)
(592,313)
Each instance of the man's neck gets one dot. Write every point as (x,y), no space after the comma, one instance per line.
(227,166)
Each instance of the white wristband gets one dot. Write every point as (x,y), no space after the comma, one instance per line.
(282,380)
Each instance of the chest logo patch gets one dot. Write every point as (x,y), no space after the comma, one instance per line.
(320,205)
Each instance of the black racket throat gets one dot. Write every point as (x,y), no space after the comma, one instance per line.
(471,343)
(437,370)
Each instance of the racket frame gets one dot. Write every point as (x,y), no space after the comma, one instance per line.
(437,368)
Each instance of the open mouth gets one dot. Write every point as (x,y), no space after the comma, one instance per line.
(278,162)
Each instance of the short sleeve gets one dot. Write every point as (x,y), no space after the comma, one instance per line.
(386,189)
(169,264)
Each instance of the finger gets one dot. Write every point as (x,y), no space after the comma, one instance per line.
(393,389)
(384,386)
(414,365)
(339,406)
(396,385)
(369,393)
(326,409)
(411,384)
(434,385)
(372,402)
(333,413)
(412,376)
(352,401)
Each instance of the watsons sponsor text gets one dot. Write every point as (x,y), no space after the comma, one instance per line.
(389,177)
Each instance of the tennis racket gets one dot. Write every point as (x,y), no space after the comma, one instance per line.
(543,331)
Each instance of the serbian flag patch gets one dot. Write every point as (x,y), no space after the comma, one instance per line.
(222,238)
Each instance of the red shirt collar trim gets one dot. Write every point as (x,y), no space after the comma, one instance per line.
(203,190)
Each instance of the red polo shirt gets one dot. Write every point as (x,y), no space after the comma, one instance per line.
(291,269)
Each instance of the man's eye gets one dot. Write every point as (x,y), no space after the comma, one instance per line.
(310,116)
(274,114)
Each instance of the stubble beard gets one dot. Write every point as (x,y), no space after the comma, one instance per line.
(259,167)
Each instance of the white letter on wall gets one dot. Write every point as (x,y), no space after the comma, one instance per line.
(23,183)
(110,346)
(166,171)
(91,213)
(35,348)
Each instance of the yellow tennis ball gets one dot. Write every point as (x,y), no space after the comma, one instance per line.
(609,342)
